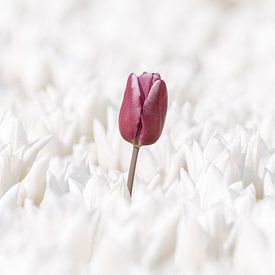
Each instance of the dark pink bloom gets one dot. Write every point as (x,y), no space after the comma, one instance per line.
(143,109)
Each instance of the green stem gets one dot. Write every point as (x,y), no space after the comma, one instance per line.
(132,169)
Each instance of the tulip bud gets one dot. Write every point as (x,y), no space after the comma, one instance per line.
(143,109)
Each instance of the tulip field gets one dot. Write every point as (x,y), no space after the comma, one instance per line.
(137,137)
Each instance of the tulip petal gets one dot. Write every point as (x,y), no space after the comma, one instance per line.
(146,81)
(129,116)
(153,113)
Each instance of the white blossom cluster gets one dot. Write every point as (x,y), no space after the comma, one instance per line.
(204,195)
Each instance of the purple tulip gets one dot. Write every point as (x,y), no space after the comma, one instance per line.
(143,109)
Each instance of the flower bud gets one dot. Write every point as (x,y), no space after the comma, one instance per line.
(143,109)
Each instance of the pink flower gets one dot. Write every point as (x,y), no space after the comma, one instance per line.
(143,109)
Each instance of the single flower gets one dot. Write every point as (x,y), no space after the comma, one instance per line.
(143,109)
(142,114)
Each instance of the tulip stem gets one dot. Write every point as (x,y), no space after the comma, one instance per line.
(132,168)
